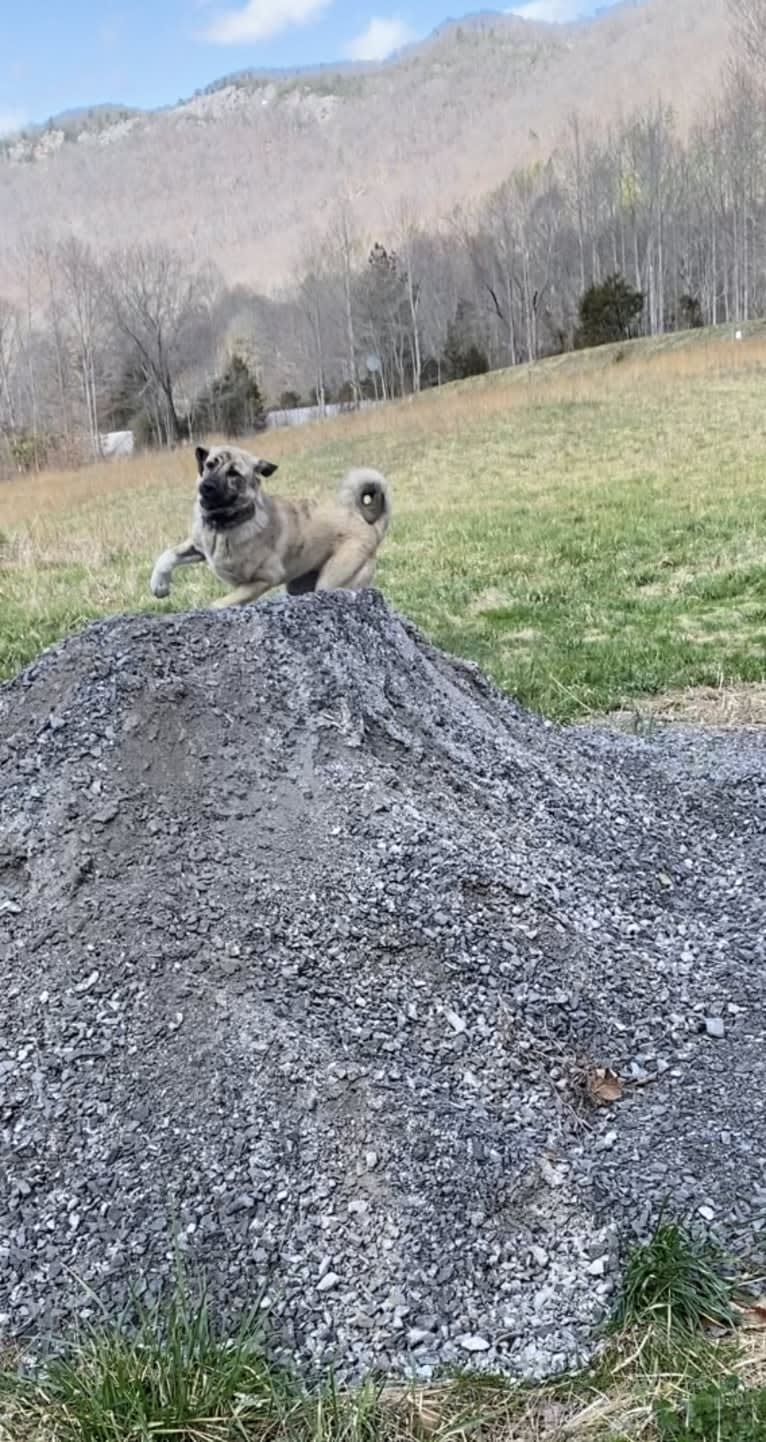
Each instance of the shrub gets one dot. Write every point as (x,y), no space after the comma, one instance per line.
(609,312)
(289,401)
(27,450)
(233,404)
(689,312)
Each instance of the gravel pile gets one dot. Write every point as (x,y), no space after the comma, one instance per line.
(312,947)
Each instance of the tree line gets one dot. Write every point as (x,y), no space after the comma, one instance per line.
(633,230)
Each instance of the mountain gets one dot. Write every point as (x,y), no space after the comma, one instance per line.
(251,171)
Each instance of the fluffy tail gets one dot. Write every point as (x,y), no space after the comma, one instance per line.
(369,493)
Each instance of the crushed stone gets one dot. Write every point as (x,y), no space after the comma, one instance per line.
(309,940)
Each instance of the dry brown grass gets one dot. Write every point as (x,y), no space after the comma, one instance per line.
(617,1400)
(726,707)
(571,379)
(750,1364)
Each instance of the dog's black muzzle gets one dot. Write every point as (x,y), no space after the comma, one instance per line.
(211,493)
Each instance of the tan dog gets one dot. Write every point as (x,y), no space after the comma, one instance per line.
(253,541)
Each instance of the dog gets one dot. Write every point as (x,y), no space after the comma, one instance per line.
(253,541)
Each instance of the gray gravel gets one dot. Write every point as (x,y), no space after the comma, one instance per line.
(309,937)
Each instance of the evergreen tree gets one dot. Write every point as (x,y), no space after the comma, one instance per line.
(689,312)
(609,312)
(462,356)
(233,404)
(289,401)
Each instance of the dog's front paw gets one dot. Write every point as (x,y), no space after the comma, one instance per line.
(160,582)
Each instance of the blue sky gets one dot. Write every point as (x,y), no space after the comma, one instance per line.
(56,54)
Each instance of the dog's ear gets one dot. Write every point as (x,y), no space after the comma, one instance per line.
(265,468)
(202,454)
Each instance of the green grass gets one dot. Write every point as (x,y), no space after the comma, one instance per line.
(591,534)
(175,1374)
(675,1283)
(715,1411)
(171,1374)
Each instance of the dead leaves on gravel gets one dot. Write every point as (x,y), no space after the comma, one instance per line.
(603,1087)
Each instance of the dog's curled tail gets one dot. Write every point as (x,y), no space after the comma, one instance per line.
(368,492)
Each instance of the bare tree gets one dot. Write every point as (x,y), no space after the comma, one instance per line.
(162,311)
(321,302)
(85,292)
(31,371)
(407,246)
(442,277)
(749,21)
(8,344)
(578,170)
(491,246)
(44,251)
(345,245)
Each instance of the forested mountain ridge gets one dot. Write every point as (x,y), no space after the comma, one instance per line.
(435,128)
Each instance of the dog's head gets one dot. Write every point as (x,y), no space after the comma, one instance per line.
(229,478)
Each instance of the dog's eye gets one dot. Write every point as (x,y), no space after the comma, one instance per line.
(233,475)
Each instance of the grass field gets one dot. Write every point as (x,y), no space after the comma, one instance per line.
(591,530)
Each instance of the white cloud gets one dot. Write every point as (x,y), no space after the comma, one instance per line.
(11,121)
(260,19)
(554,11)
(379,40)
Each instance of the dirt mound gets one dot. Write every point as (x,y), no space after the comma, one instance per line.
(310,939)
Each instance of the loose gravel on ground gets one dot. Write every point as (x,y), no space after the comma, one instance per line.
(312,946)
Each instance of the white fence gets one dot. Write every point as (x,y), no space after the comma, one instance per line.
(302,415)
(116,443)
(122,443)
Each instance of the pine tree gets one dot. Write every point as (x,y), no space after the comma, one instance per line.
(608,312)
(462,356)
(233,404)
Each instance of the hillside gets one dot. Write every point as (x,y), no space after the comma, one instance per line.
(218,175)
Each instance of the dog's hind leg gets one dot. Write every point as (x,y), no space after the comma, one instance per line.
(184,555)
(364,576)
(345,571)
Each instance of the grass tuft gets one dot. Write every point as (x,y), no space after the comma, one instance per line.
(174,1374)
(673,1283)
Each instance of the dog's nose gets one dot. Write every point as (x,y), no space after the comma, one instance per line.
(209,490)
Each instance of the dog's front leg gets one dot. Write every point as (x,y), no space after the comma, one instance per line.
(242,594)
(183,555)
